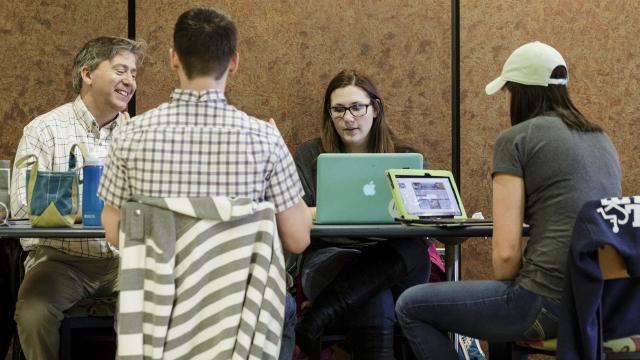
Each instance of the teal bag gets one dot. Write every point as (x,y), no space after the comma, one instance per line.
(52,196)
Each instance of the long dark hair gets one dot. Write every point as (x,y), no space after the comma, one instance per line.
(381,138)
(529,101)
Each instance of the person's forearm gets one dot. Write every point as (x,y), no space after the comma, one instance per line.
(294,227)
(506,267)
(508,213)
(111,223)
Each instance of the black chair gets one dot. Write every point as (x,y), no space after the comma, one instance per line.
(9,282)
(92,321)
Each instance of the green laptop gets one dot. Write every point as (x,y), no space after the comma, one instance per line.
(352,188)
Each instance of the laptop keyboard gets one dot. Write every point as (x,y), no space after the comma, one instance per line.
(445,221)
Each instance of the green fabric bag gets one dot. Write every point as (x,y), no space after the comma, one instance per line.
(52,196)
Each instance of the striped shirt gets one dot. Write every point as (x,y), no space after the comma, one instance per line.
(197,145)
(49,137)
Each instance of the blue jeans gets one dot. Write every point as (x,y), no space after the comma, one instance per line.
(497,311)
(288,342)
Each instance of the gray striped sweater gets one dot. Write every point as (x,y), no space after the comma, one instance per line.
(200,278)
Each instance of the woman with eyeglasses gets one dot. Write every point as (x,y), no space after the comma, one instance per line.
(361,283)
(545,167)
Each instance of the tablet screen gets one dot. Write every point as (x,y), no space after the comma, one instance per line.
(428,196)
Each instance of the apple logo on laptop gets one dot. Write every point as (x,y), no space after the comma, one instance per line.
(369,189)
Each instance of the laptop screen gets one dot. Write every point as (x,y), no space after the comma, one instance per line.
(352,188)
(431,196)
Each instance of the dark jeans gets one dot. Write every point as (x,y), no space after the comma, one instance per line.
(497,311)
(379,311)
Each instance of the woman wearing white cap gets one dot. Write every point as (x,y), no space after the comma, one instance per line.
(545,167)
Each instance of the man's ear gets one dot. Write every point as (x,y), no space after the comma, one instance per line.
(174,61)
(234,63)
(86,76)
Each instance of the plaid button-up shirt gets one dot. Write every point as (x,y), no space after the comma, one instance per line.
(50,137)
(197,145)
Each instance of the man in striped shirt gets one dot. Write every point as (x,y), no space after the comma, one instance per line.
(59,272)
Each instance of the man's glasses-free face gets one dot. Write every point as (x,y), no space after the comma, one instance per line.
(357,110)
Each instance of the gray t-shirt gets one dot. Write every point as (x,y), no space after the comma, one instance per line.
(562,169)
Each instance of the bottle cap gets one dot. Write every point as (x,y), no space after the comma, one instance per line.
(93,161)
(95,158)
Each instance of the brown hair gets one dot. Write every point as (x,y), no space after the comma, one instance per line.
(205,40)
(381,138)
(529,101)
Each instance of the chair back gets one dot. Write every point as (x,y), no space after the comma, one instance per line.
(200,278)
(612,265)
(601,299)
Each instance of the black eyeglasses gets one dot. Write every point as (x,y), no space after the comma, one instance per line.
(357,110)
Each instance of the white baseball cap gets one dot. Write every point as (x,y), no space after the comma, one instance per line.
(530,64)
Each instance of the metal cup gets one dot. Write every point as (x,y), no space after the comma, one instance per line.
(5,181)
(4,214)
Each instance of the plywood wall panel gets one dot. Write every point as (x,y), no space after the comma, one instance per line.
(39,41)
(597,40)
(289,50)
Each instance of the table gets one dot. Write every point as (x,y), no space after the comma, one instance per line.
(27,231)
(452,237)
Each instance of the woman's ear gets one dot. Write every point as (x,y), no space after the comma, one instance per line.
(377,105)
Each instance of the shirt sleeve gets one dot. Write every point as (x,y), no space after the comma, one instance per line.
(284,189)
(509,153)
(304,165)
(114,185)
(36,140)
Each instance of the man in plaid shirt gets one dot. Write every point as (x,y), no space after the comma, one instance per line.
(198,145)
(59,272)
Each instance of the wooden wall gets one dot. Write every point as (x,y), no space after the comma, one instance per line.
(38,40)
(289,50)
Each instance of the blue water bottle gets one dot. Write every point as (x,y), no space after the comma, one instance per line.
(91,204)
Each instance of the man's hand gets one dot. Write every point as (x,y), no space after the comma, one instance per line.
(273,123)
